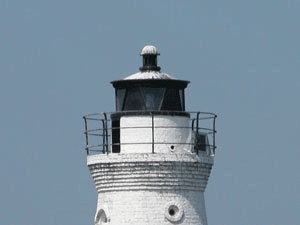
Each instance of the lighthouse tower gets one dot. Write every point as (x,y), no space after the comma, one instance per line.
(150,159)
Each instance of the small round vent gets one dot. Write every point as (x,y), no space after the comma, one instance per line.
(173,212)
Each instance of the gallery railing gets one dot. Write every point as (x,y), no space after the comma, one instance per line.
(98,132)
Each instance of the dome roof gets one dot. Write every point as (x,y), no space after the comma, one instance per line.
(149,50)
(150,75)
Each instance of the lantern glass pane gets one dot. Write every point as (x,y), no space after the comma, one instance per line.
(134,100)
(171,100)
(120,99)
(152,97)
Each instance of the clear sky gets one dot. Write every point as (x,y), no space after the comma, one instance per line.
(58,57)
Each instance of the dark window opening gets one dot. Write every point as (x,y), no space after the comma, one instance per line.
(172,101)
(120,96)
(134,100)
(115,125)
(152,97)
(201,142)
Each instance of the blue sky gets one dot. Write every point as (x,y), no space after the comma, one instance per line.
(58,57)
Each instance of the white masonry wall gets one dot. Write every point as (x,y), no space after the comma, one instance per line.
(152,208)
(150,189)
(171,133)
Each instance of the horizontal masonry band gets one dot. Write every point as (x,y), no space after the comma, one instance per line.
(143,172)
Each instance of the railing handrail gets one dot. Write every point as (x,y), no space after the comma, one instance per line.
(148,111)
(105,131)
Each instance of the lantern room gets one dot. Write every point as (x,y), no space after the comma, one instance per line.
(150,89)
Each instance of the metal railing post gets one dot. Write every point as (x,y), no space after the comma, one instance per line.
(152,132)
(214,135)
(86,136)
(197,132)
(106,133)
(103,135)
(193,121)
(193,141)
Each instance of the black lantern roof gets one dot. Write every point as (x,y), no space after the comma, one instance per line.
(150,83)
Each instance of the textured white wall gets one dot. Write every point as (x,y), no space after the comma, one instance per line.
(140,188)
(175,130)
(151,207)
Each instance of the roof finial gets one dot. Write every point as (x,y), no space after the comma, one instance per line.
(149,54)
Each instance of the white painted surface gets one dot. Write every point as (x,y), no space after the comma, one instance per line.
(149,75)
(202,157)
(171,134)
(149,208)
(149,50)
(140,188)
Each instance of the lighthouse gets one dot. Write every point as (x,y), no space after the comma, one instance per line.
(150,159)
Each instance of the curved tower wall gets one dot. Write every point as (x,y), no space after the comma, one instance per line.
(169,133)
(144,188)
